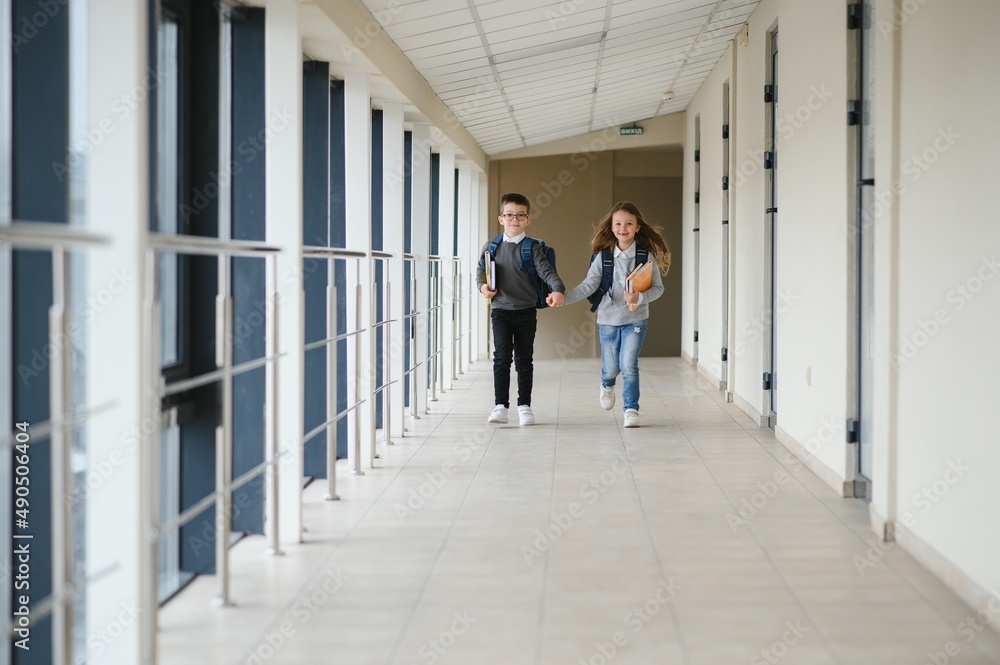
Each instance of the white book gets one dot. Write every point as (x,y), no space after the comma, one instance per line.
(491,271)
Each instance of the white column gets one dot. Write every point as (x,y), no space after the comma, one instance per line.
(358,204)
(475,244)
(392,211)
(883,508)
(446,248)
(467,256)
(119,562)
(420,246)
(283,193)
(486,214)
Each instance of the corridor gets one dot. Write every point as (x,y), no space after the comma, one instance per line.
(694,539)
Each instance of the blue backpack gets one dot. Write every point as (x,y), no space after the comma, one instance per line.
(608,270)
(527,264)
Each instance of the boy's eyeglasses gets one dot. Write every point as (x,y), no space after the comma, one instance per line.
(510,217)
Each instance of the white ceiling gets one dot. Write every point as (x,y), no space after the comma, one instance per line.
(522,72)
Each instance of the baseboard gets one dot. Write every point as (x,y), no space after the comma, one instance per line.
(746,408)
(688,358)
(971,592)
(822,471)
(708,376)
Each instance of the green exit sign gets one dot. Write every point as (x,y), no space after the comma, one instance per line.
(631,131)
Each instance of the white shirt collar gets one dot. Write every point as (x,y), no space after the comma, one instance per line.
(630,252)
(518,238)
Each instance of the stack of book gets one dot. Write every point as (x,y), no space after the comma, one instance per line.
(640,279)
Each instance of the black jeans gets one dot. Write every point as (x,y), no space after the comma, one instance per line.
(513,333)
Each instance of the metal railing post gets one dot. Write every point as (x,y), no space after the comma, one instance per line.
(387,366)
(331,382)
(433,352)
(413,351)
(224,441)
(60,400)
(357,381)
(149,457)
(272,447)
(458,299)
(372,388)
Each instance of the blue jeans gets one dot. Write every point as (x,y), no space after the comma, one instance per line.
(620,346)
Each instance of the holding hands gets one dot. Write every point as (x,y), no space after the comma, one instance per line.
(555,299)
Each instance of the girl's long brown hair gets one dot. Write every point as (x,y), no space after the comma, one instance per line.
(646,235)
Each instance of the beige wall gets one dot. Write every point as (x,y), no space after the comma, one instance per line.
(569,194)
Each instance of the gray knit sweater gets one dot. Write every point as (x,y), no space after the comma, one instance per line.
(613,310)
(514,287)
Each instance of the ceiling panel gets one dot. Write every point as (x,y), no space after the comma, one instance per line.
(439,47)
(521,72)
(398,29)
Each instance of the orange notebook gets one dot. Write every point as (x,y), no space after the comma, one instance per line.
(639,280)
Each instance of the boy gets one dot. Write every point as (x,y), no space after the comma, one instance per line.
(513,312)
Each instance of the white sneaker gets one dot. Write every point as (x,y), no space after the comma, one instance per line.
(499,415)
(527,417)
(607,397)
(631,418)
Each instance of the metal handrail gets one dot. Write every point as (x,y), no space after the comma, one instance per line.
(317,251)
(46,235)
(206,246)
(330,340)
(319,428)
(168,389)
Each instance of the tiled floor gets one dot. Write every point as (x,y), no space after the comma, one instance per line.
(579,542)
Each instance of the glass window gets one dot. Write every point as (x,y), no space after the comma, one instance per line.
(167,177)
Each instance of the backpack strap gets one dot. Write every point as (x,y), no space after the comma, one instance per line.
(607,278)
(494,244)
(528,264)
(527,261)
(641,255)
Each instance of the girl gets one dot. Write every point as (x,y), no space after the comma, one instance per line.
(622,237)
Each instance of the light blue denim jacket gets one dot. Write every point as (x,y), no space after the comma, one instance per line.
(613,310)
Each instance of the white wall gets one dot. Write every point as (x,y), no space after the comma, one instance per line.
(948,236)
(707,104)
(935,455)
(811,366)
